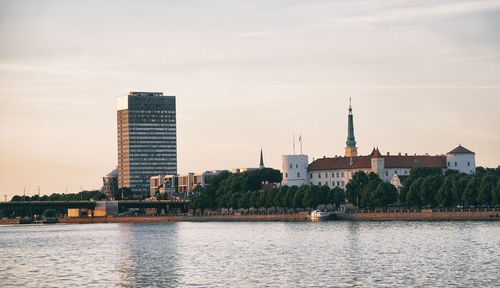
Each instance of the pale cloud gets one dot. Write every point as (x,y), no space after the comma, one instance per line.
(386,87)
(383,15)
(409,14)
(246,74)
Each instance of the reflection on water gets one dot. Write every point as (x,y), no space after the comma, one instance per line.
(148,252)
(248,254)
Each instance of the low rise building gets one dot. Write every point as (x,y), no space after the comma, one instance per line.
(110,183)
(180,185)
(156,183)
(241,170)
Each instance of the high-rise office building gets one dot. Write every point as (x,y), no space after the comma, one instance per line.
(147,142)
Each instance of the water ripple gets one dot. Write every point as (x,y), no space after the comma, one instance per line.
(325,254)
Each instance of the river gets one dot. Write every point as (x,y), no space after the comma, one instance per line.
(252,254)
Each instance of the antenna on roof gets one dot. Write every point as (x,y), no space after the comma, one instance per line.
(293,143)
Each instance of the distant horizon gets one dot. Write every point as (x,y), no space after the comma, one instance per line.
(424,77)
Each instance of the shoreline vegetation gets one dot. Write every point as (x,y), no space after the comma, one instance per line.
(425,189)
(377,215)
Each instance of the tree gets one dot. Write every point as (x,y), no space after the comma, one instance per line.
(428,189)
(125,193)
(496,195)
(471,190)
(377,196)
(244,201)
(390,194)
(330,197)
(446,195)
(298,197)
(413,196)
(49,213)
(254,199)
(234,200)
(366,198)
(354,188)
(321,195)
(194,204)
(279,197)
(307,200)
(486,189)
(289,195)
(270,175)
(270,198)
(416,173)
(197,190)
(339,196)
(368,190)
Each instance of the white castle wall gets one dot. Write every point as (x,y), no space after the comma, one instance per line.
(294,170)
(463,162)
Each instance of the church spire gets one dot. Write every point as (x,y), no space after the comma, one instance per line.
(261,165)
(351,150)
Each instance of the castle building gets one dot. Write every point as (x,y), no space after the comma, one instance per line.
(337,171)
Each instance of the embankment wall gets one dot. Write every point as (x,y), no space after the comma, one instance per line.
(408,215)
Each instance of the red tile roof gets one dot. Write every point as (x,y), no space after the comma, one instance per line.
(358,162)
(375,153)
(390,161)
(414,161)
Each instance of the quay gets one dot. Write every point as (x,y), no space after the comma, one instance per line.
(486,214)
(296,217)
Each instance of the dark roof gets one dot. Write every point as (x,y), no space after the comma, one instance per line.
(460,150)
(390,161)
(113,173)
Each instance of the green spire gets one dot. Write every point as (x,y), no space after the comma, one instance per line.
(351,142)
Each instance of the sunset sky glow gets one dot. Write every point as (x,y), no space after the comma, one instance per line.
(424,76)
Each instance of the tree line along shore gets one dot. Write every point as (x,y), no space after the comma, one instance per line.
(424,188)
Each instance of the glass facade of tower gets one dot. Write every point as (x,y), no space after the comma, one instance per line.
(147,141)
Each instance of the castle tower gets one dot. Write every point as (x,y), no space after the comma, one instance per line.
(350,150)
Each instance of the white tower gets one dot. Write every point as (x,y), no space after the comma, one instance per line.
(294,170)
(461,159)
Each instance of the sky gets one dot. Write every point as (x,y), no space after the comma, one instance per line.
(424,77)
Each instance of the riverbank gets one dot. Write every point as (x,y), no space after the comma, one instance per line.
(423,215)
(299,217)
(400,215)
